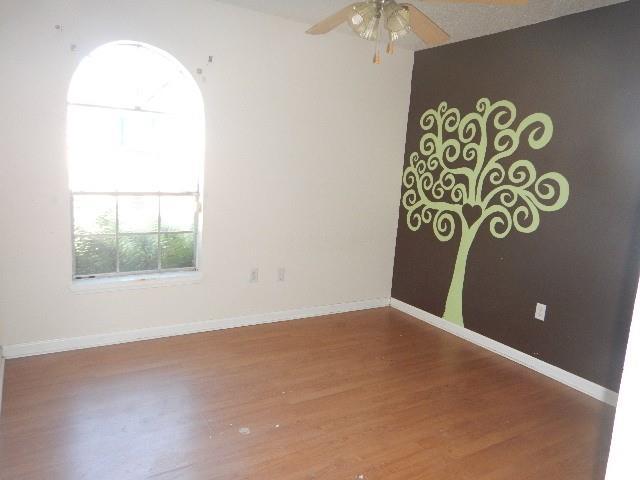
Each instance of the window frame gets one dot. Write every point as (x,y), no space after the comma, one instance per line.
(154,275)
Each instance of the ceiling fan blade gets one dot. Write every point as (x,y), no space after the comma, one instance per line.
(424,27)
(332,22)
(483,2)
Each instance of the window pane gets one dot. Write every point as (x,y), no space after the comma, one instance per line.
(138,252)
(95,254)
(150,136)
(132,75)
(94,214)
(140,132)
(177,213)
(177,250)
(138,214)
(93,140)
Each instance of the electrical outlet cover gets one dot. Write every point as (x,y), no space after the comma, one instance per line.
(541,312)
(253,277)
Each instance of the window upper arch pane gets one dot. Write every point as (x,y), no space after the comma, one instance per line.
(135,122)
(136,76)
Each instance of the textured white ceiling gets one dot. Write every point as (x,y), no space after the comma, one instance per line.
(461,21)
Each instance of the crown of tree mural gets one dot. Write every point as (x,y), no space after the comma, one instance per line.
(468,174)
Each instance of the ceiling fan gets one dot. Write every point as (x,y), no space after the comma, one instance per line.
(370,17)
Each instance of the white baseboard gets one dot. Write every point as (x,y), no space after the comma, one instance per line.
(585,386)
(76,343)
(60,345)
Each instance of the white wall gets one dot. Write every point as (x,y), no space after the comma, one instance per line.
(305,139)
(623,455)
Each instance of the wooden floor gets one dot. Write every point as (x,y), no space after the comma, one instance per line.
(364,395)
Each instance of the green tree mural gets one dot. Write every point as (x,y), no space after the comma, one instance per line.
(468,173)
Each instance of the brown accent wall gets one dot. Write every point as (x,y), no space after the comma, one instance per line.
(584,71)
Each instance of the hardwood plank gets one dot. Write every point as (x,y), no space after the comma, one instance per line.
(374,393)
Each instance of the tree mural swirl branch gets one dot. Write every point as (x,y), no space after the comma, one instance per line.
(467,174)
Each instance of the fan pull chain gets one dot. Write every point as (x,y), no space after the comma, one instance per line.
(391,47)
(377,58)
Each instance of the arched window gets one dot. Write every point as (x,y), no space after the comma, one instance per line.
(135,138)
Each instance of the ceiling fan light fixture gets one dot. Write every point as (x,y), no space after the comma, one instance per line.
(365,20)
(370,18)
(397,21)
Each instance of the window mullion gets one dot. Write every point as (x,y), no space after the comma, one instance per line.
(73,237)
(159,228)
(196,217)
(117,235)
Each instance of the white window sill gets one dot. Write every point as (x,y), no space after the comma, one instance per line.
(132,282)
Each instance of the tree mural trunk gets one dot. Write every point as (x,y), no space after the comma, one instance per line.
(453,307)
